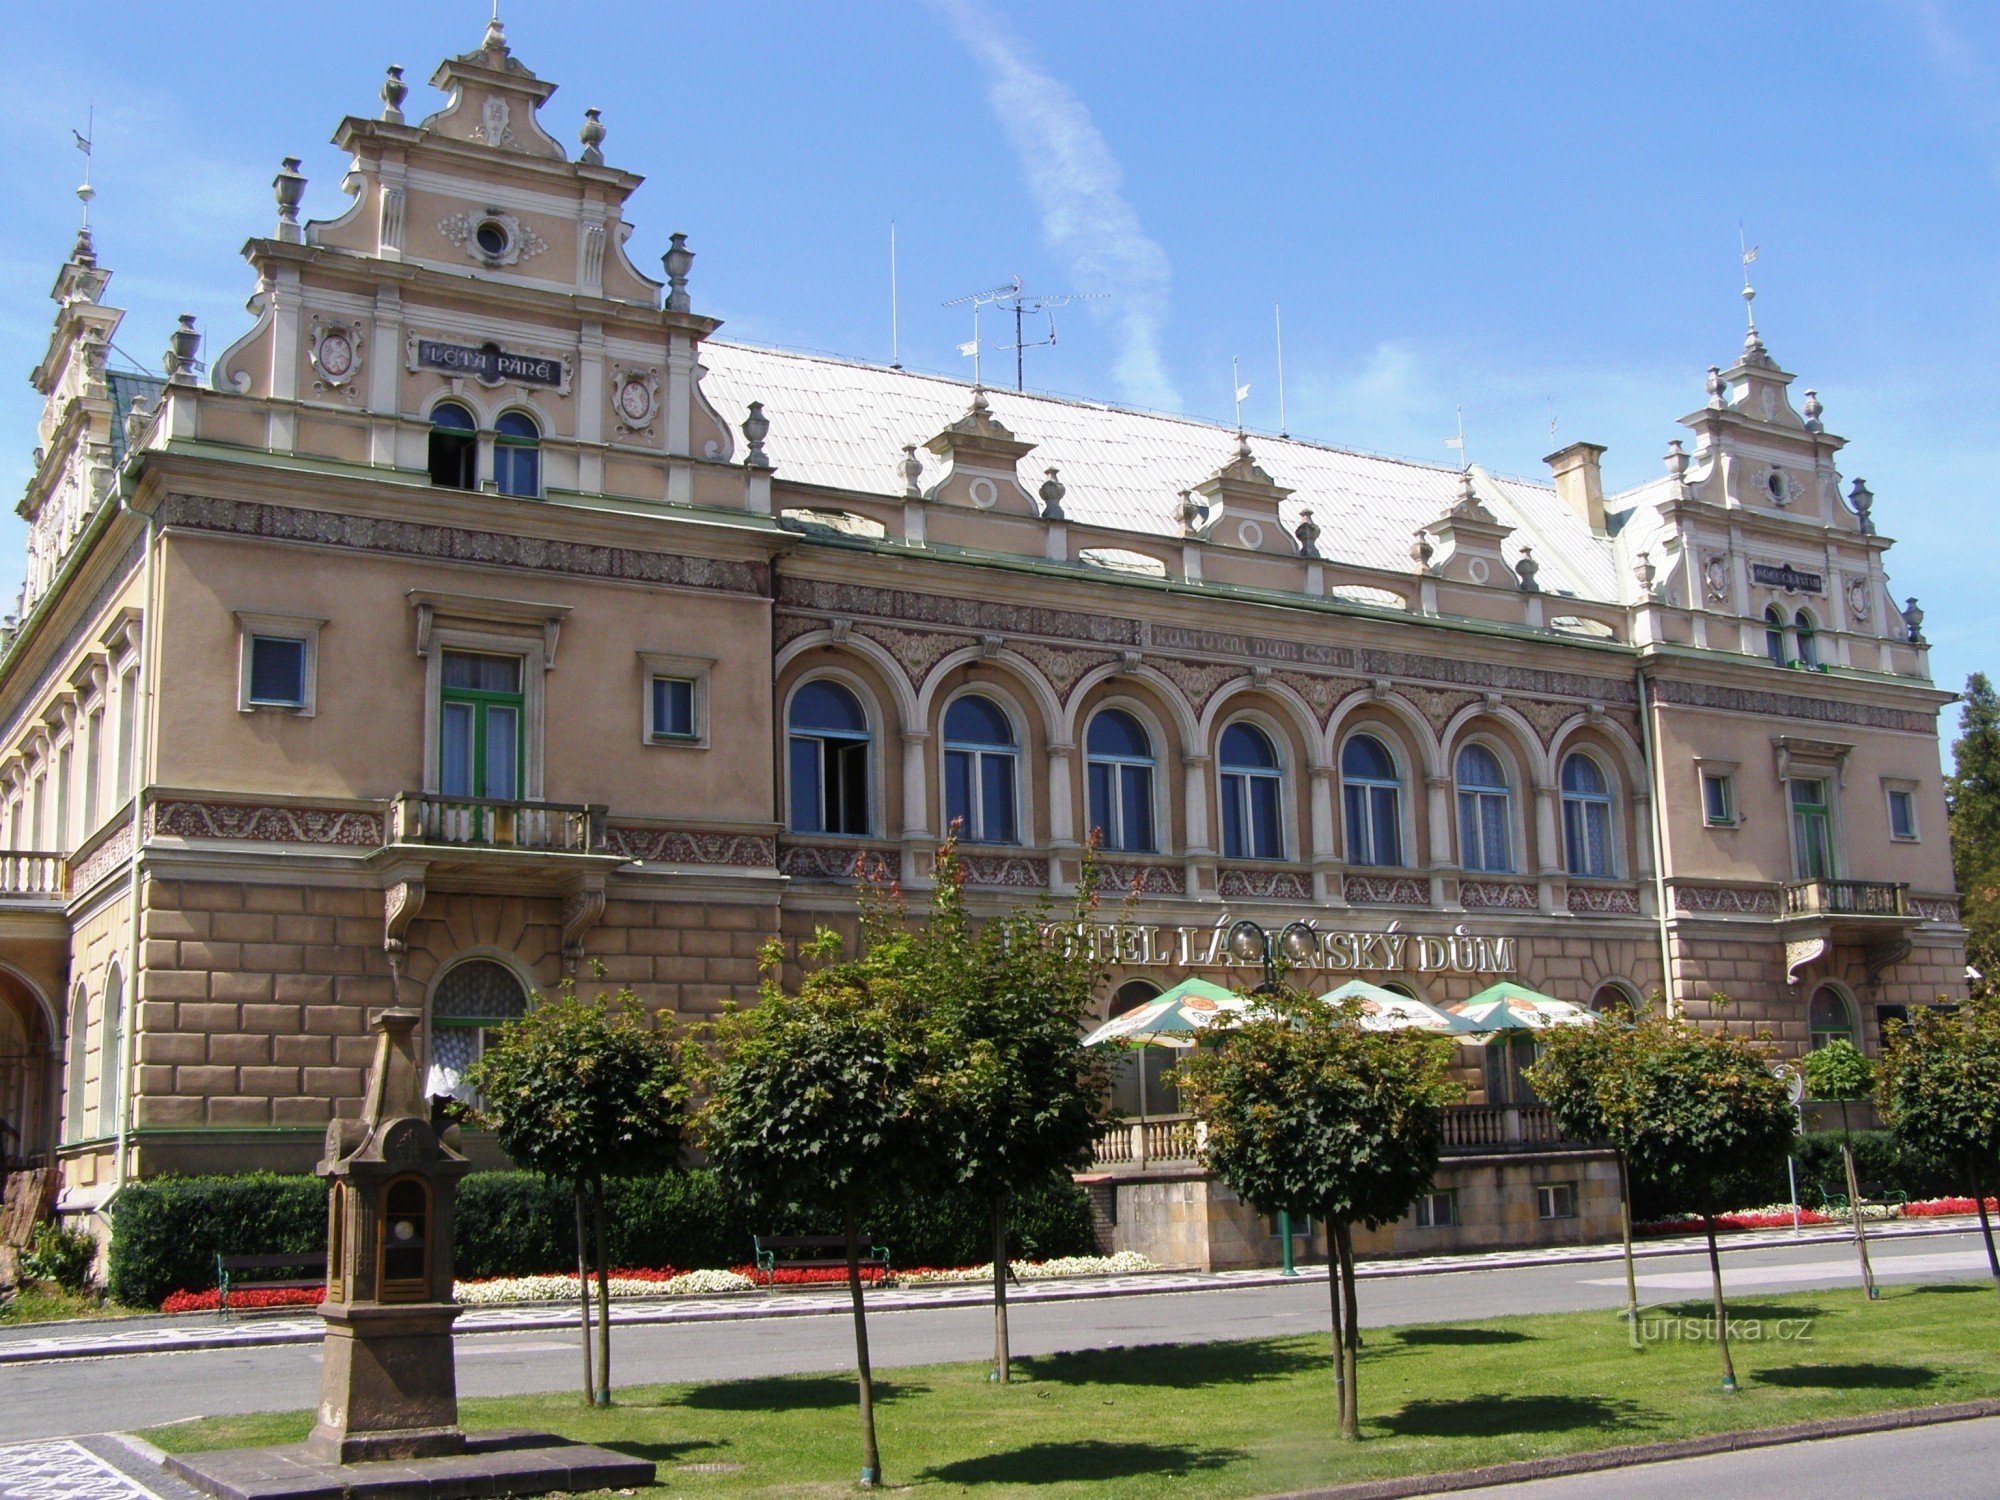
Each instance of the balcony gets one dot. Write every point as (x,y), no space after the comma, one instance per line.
(1847,898)
(1477,1129)
(33,876)
(500,845)
(1173,1142)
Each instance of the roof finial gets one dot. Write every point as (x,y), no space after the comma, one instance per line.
(394,92)
(496,34)
(1753,346)
(85,251)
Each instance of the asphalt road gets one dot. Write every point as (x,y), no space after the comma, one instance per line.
(1952,1461)
(133,1391)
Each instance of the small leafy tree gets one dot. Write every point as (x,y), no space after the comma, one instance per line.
(1940,1093)
(1306,1113)
(818,1099)
(581,1090)
(1019,1100)
(1838,1073)
(1584,1076)
(1972,794)
(1705,1106)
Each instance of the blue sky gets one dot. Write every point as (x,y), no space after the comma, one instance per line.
(1521,209)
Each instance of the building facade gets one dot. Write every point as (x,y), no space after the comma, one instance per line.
(479,613)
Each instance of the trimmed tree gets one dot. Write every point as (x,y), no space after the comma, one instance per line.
(1940,1093)
(581,1090)
(818,1101)
(1308,1114)
(1705,1107)
(1584,1076)
(1838,1073)
(1019,1100)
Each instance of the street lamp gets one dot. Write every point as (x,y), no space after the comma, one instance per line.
(1251,942)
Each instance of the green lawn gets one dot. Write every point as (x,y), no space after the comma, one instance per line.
(1250,1418)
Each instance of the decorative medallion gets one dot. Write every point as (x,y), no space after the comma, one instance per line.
(1857,599)
(1478,570)
(1715,576)
(335,351)
(635,397)
(1780,488)
(493,127)
(1249,534)
(983,493)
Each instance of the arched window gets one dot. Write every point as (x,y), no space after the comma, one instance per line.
(1142,1078)
(1118,762)
(979,771)
(1808,639)
(454,447)
(517,455)
(1372,794)
(472,998)
(829,760)
(79,1060)
(1614,1001)
(111,1055)
(1829,1019)
(1252,795)
(1485,820)
(1774,635)
(1586,804)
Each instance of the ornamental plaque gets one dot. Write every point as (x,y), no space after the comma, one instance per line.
(489,364)
(1788,578)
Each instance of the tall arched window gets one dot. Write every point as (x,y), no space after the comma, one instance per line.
(111,1055)
(1774,635)
(1586,804)
(979,771)
(517,455)
(79,1060)
(1252,795)
(454,450)
(1808,639)
(1485,819)
(829,760)
(1829,1019)
(473,997)
(1372,794)
(1118,762)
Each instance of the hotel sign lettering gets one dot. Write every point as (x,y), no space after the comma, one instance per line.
(488,362)
(1788,578)
(1303,946)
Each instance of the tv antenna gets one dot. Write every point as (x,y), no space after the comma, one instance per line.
(1024,305)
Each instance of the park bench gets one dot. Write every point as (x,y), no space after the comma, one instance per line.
(808,1252)
(290,1272)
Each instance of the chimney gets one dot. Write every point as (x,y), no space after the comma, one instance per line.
(1580,482)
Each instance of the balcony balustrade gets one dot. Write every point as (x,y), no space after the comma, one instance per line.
(33,875)
(1469,1129)
(497,823)
(1847,898)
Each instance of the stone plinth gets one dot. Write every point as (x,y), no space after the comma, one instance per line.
(388,1389)
(487,1463)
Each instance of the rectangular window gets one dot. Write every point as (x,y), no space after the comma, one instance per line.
(1555,1200)
(93,768)
(1436,1210)
(673,708)
(277,671)
(128,711)
(1902,813)
(1718,799)
(1812,830)
(479,726)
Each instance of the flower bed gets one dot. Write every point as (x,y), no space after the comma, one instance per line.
(808,1275)
(1778,1216)
(1932,1208)
(1124,1262)
(243,1298)
(624,1284)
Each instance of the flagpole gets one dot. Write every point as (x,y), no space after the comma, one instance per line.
(895,332)
(1278,318)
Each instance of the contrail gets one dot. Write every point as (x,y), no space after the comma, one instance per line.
(1078,190)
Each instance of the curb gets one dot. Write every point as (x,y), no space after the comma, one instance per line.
(1649,1453)
(809,1305)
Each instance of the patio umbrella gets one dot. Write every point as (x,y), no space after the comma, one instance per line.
(1510,1007)
(1174,1018)
(1385,1010)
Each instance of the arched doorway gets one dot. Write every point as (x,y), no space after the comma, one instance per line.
(1142,1083)
(29,1083)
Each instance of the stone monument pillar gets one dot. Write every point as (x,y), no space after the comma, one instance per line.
(388,1386)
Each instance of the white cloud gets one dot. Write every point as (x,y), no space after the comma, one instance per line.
(1078,189)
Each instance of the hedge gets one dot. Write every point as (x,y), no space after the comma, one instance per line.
(167,1231)
(1881,1162)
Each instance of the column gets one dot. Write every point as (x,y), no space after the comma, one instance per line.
(1444,855)
(1328,887)
(1548,845)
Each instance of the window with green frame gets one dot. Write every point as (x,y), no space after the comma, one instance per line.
(1812,829)
(481,733)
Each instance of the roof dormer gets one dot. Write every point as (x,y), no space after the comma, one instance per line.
(1242,505)
(980,458)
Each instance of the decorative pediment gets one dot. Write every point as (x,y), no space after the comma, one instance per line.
(980,456)
(494,99)
(1240,503)
(1468,539)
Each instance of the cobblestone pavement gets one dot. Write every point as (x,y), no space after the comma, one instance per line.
(190,1331)
(98,1468)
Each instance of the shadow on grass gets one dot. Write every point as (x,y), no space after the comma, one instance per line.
(1086,1459)
(1739,1312)
(793,1393)
(666,1454)
(1460,1336)
(1185,1366)
(1851,1377)
(1495,1415)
